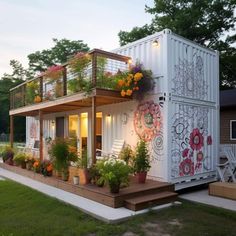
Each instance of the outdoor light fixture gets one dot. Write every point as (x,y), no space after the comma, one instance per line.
(155,43)
(129,61)
(53,124)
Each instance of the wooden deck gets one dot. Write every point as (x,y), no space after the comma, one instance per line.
(135,197)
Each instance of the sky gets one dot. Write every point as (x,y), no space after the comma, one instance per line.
(27,26)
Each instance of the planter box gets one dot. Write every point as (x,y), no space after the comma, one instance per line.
(226,190)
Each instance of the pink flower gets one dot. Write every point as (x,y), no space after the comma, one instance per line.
(196,139)
(186,167)
(185,152)
(209,140)
(54,68)
(200,156)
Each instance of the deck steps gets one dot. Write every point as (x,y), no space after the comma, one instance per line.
(150,200)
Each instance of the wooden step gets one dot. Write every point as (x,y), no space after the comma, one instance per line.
(150,200)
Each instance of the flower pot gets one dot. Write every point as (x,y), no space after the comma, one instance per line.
(83,176)
(65,175)
(29,165)
(114,188)
(141,177)
(76,180)
(23,165)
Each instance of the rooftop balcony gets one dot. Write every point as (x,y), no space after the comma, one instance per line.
(72,85)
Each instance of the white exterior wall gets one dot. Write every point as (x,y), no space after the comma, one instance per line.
(185,98)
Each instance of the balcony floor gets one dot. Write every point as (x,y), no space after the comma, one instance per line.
(72,102)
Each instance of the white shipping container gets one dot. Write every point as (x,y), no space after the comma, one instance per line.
(179,119)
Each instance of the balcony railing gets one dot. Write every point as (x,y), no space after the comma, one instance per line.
(84,72)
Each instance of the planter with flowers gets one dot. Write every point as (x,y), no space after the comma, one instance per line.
(29,161)
(20,159)
(136,82)
(78,65)
(36,166)
(141,161)
(46,168)
(61,155)
(54,74)
(114,172)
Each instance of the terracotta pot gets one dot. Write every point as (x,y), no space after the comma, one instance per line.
(83,176)
(141,177)
(23,165)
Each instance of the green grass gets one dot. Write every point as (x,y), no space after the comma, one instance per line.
(24,211)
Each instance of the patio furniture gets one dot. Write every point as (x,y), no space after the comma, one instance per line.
(227,170)
(117,146)
(31,147)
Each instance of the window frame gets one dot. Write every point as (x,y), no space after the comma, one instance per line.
(230,128)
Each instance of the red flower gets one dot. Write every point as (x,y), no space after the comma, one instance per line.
(200,156)
(186,167)
(196,139)
(185,152)
(209,140)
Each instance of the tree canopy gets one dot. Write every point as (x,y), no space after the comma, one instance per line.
(38,61)
(58,54)
(205,22)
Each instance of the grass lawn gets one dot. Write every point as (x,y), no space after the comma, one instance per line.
(24,211)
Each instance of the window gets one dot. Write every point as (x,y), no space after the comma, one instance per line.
(233,130)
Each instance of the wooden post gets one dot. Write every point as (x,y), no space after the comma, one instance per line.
(11,130)
(94,69)
(65,81)
(93,130)
(41,88)
(40,135)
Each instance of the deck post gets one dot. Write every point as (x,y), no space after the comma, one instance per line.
(41,88)
(64,81)
(11,130)
(93,120)
(40,135)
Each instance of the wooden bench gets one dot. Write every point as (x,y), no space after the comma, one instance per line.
(221,189)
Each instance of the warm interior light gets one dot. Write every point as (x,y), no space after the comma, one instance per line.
(155,43)
(129,61)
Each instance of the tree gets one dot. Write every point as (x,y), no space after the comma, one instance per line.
(8,81)
(58,54)
(204,22)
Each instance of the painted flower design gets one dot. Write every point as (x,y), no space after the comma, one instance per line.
(196,139)
(185,152)
(209,140)
(147,120)
(186,167)
(200,156)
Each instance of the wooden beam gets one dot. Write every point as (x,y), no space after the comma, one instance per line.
(93,130)
(11,130)
(40,135)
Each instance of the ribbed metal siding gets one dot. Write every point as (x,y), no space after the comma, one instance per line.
(146,53)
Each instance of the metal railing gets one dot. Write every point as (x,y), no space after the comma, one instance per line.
(97,69)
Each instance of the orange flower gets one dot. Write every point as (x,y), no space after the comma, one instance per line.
(138,76)
(137,88)
(129,92)
(36,164)
(120,83)
(123,93)
(49,168)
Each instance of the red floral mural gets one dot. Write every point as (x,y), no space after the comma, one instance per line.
(196,139)
(186,167)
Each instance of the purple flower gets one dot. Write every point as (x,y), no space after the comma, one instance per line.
(137,68)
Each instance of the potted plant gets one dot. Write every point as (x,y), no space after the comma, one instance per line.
(114,172)
(127,154)
(83,168)
(36,166)
(141,161)
(29,161)
(95,176)
(7,155)
(20,159)
(46,168)
(61,156)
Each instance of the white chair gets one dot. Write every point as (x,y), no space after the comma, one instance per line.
(227,170)
(31,147)
(117,147)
